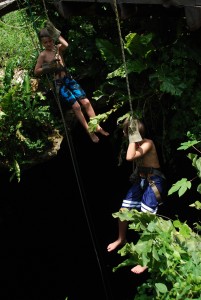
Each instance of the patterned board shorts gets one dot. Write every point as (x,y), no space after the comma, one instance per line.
(70,90)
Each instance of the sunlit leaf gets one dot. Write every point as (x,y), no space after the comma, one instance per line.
(161,287)
(196,204)
(187,145)
(181,186)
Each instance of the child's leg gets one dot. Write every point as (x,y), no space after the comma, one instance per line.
(70,98)
(88,107)
(149,204)
(90,112)
(121,238)
(102,131)
(79,114)
(132,200)
(80,95)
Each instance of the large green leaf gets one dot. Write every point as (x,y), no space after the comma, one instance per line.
(181,186)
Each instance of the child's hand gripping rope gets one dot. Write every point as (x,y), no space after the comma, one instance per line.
(133,132)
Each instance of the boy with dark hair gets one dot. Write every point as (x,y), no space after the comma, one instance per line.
(51,61)
(147,180)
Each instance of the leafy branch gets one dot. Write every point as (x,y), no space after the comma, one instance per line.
(170,250)
(184,184)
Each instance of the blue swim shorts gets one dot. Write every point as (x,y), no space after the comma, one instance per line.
(141,196)
(71,91)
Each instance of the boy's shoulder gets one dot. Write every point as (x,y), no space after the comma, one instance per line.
(42,53)
(145,140)
(45,54)
(149,142)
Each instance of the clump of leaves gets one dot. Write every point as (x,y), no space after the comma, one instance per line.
(26,124)
(170,250)
(184,184)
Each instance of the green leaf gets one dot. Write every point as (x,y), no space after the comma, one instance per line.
(155,254)
(181,186)
(161,287)
(196,204)
(187,145)
(169,85)
(199,188)
(173,189)
(196,162)
(139,45)
(109,52)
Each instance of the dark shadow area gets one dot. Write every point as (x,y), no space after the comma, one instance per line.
(56,223)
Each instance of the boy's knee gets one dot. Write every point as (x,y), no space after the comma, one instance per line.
(76,106)
(85,102)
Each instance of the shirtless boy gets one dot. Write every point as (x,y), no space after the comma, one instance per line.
(140,196)
(51,61)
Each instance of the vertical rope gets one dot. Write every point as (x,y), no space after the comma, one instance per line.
(78,179)
(46,13)
(123,54)
(125,66)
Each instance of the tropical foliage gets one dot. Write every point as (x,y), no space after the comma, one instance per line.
(18,40)
(170,249)
(184,184)
(27,124)
(162,71)
(160,82)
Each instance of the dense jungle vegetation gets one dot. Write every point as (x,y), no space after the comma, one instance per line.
(163,68)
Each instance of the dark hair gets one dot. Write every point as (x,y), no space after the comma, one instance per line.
(43,33)
(141,127)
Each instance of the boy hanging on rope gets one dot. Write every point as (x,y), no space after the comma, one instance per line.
(147,180)
(51,61)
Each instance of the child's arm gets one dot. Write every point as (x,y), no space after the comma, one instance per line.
(38,67)
(137,150)
(131,151)
(63,43)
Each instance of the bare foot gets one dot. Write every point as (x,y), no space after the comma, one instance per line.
(138,269)
(93,137)
(102,131)
(114,245)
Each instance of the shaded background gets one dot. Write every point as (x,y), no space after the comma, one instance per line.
(56,223)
